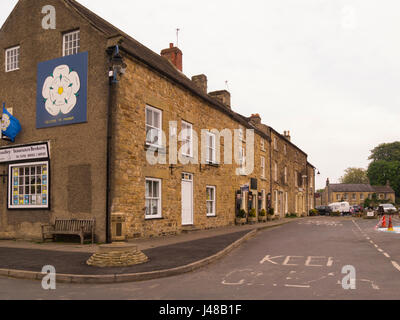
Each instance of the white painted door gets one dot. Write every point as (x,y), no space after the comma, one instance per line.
(187,199)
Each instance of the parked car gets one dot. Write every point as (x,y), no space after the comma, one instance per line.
(357,208)
(342,207)
(386,208)
(324,210)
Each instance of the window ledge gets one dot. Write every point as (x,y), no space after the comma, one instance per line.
(158,149)
(212,164)
(211,216)
(155,218)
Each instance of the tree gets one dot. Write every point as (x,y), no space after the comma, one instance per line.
(354,176)
(381,171)
(386,152)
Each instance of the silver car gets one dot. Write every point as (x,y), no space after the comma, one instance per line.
(387,208)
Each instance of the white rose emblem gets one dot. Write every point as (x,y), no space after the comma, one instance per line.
(5,122)
(60,90)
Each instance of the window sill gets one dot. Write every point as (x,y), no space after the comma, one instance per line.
(153,218)
(213,164)
(211,216)
(159,149)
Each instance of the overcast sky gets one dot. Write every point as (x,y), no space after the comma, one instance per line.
(326,70)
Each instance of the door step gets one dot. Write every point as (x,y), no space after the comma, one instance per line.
(188,229)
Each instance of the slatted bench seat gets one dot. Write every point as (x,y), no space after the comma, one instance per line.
(80,227)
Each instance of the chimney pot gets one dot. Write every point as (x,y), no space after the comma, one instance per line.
(174,55)
(255,118)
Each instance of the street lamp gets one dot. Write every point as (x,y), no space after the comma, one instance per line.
(118,67)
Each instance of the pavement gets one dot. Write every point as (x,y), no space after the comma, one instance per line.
(168,256)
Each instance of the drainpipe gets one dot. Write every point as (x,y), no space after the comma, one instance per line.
(270,166)
(117,67)
(111,90)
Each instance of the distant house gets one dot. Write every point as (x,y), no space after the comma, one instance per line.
(356,193)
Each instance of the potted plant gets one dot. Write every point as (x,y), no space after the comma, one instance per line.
(262,216)
(252,218)
(241,217)
(270,214)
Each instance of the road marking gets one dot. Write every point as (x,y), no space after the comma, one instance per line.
(296,286)
(394,263)
(380,250)
(373,285)
(386,255)
(286,262)
(308,261)
(269,259)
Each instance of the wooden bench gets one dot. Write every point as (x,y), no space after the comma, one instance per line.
(80,227)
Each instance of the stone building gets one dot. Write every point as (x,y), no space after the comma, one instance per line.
(356,194)
(121,131)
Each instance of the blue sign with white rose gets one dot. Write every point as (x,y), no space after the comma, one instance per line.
(62,91)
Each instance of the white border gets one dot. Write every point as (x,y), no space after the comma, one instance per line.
(10,204)
(214,202)
(160,138)
(6,53)
(159,215)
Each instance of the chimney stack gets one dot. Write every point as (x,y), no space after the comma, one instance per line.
(327,182)
(201,82)
(286,134)
(255,118)
(174,55)
(222,96)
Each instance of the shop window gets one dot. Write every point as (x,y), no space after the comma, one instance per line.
(12,59)
(28,186)
(153,198)
(71,43)
(210,194)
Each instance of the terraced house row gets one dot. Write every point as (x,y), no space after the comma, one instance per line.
(118,133)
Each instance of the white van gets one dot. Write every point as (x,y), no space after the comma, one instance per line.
(342,207)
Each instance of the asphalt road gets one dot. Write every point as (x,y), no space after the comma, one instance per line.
(300,260)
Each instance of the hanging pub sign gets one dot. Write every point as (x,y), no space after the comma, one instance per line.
(61,97)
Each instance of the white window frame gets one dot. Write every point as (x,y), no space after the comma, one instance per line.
(241,134)
(285,149)
(275,171)
(263,167)
(262,144)
(275,144)
(338,197)
(153,127)
(212,148)
(186,141)
(11,204)
(213,213)
(285,175)
(12,59)
(361,196)
(68,38)
(242,160)
(159,199)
